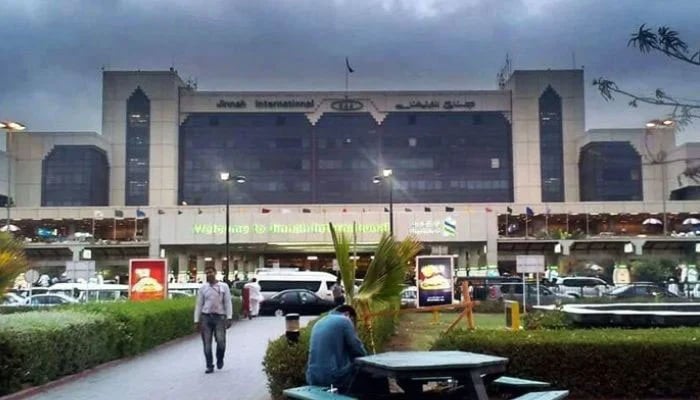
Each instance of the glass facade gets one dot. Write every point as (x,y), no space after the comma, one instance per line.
(449,156)
(75,175)
(436,157)
(138,132)
(272,150)
(551,146)
(610,171)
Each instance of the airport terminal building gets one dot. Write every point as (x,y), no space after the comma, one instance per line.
(483,175)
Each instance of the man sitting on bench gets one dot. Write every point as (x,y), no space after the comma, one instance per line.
(334,345)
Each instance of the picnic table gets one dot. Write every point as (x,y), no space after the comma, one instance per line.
(412,368)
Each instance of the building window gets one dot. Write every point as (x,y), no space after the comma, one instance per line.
(551,146)
(610,171)
(138,132)
(75,175)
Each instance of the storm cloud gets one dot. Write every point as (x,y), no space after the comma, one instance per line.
(54,51)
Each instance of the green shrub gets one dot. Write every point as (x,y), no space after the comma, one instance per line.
(285,363)
(555,319)
(38,347)
(595,363)
(144,325)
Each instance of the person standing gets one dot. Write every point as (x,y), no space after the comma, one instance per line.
(338,293)
(254,297)
(334,345)
(212,316)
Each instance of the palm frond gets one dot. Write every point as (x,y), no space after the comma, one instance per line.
(387,272)
(341,244)
(12,260)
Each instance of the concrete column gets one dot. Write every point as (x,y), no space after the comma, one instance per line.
(491,239)
(182,265)
(200,268)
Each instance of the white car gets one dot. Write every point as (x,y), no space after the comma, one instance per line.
(12,299)
(49,300)
(409,297)
(581,286)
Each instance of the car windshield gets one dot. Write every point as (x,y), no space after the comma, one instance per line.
(619,290)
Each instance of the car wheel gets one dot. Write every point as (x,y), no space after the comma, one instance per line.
(279,312)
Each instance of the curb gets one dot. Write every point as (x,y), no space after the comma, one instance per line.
(22,394)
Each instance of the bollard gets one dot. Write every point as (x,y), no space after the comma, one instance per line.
(291,323)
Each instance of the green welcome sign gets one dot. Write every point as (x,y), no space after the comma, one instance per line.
(287,229)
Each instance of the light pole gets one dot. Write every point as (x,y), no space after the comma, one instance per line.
(227,178)
(658,157)
(9,127)
(387,175)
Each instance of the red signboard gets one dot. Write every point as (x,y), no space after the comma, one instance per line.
(148,279)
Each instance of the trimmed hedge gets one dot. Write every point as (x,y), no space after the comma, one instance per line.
(285,363)
(37,347)
(595,363)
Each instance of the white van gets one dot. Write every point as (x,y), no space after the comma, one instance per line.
(272,282)
(190,288)
(89,292)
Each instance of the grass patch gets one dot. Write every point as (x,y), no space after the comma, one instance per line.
(417,331)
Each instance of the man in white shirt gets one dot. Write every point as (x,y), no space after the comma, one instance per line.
(254,297)
(212,316)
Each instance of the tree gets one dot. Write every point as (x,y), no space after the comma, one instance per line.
(667,42)
(381,288)
(12,260)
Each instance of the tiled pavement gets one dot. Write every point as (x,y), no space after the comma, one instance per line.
(176,370)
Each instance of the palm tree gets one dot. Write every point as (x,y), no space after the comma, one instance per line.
(381,288)
(12,260)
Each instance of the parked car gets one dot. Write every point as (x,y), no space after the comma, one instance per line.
(49,300)
(642,289)
(12,299)
(300,301)
(514,291)
(178,294)
(409,297)
(581,286)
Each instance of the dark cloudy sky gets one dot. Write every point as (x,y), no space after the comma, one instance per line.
(53,50)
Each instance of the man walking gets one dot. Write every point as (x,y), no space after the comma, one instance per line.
(212,316)
(338,293)
(254,297)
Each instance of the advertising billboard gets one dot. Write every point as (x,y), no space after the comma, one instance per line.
(434,279)
(148,279)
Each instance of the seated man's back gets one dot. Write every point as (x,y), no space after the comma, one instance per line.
(334,345)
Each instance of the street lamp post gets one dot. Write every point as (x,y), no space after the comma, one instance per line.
(227,178)
(658,157)
(9,127)
(387,175)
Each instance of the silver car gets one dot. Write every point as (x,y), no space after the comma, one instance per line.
(582,286)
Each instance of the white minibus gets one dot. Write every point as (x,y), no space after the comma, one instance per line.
(272,282)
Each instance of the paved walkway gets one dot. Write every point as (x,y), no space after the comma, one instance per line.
(176,371)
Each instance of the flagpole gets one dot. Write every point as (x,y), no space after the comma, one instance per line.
(347,78)
(506,224)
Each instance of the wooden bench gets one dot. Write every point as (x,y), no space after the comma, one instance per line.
(314,393)
(512,382)
(549,395)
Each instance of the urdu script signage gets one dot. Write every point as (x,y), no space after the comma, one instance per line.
(433,104)
(266,104)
